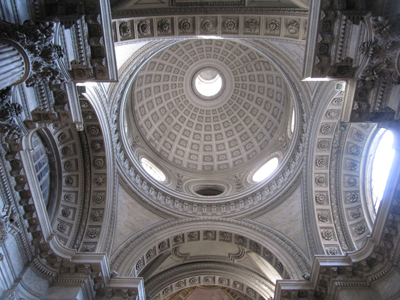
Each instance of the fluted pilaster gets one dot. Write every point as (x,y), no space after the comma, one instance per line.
(14,63)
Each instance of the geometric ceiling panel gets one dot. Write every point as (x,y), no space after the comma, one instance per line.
(201,132)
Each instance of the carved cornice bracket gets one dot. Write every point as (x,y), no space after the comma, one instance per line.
(90,25)
(10,131)
(330,51)
(382,52)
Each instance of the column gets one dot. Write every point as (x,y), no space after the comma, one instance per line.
(14,63)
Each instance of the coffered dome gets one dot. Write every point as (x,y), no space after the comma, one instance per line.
(210,105)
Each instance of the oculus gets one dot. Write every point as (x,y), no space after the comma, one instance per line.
(208,83)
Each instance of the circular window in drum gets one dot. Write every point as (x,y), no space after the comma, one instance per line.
(266,170)
(379,164)
(153,171)
(209,190)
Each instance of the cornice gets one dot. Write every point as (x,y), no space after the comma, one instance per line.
(119,14)
(293,184)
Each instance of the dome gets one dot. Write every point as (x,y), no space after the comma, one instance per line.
(208,113)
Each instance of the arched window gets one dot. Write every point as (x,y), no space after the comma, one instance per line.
(42,167)
(379,165)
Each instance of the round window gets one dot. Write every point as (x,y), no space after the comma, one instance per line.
(209,191)
(266,170)
(153,171)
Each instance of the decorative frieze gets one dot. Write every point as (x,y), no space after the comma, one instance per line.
(218,25)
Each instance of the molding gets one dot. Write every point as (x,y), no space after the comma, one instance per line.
(120,14)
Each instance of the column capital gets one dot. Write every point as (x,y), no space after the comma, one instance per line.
(35,43)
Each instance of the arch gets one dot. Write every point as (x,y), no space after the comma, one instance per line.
(133,255)
(54,165)
(210,273)
(100,149)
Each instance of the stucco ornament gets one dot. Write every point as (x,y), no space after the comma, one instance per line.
(124,29)
(36,39)
(164,26)
(293,27)
(8,111)
(3,230)
(383,53)
(252,25)
(144,27)
(273,26)
(230,24)
(207,25)
(185,25)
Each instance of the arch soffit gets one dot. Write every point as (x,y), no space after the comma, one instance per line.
(286,257)
(341,223)
(103,201)
(78,219)
(210,273)
(318,165)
